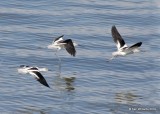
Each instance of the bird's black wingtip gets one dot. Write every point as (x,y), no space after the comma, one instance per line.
(41,79)
(59,37)
(73,55)
(139,44)
(48,86)
(45,84)
(136,45)
(113,27)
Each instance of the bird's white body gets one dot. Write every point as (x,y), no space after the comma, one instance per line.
(121,51)
(56,44)
(27,69)
(125,51)
(118,53)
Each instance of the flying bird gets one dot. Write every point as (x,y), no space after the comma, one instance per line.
(122,48)
(34,71)
(60,43)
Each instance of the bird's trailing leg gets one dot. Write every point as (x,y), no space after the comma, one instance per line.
(110,59)
(59,65)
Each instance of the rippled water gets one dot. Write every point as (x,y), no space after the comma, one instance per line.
(88,83)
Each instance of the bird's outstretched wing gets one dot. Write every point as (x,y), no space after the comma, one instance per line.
(57,39)
(39,78)
(69,47)
(117,38)
(134,47)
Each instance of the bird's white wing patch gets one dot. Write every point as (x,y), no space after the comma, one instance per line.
(118,45)
(119,48)
(60,39)
(33,74)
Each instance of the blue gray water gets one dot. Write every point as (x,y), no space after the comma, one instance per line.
(88,84)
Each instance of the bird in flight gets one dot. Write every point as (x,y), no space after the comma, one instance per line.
(59,43)
(34,71)
(122,48)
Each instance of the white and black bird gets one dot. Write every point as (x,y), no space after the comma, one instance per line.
(34,71)
(60,43)
(122,48)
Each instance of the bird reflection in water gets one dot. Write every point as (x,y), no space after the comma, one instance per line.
(127,97)
(64,82)
(69,83)
(123,100)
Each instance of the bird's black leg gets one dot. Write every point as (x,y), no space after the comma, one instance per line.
(59,61)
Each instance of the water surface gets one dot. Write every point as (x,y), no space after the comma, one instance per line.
(88,84)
